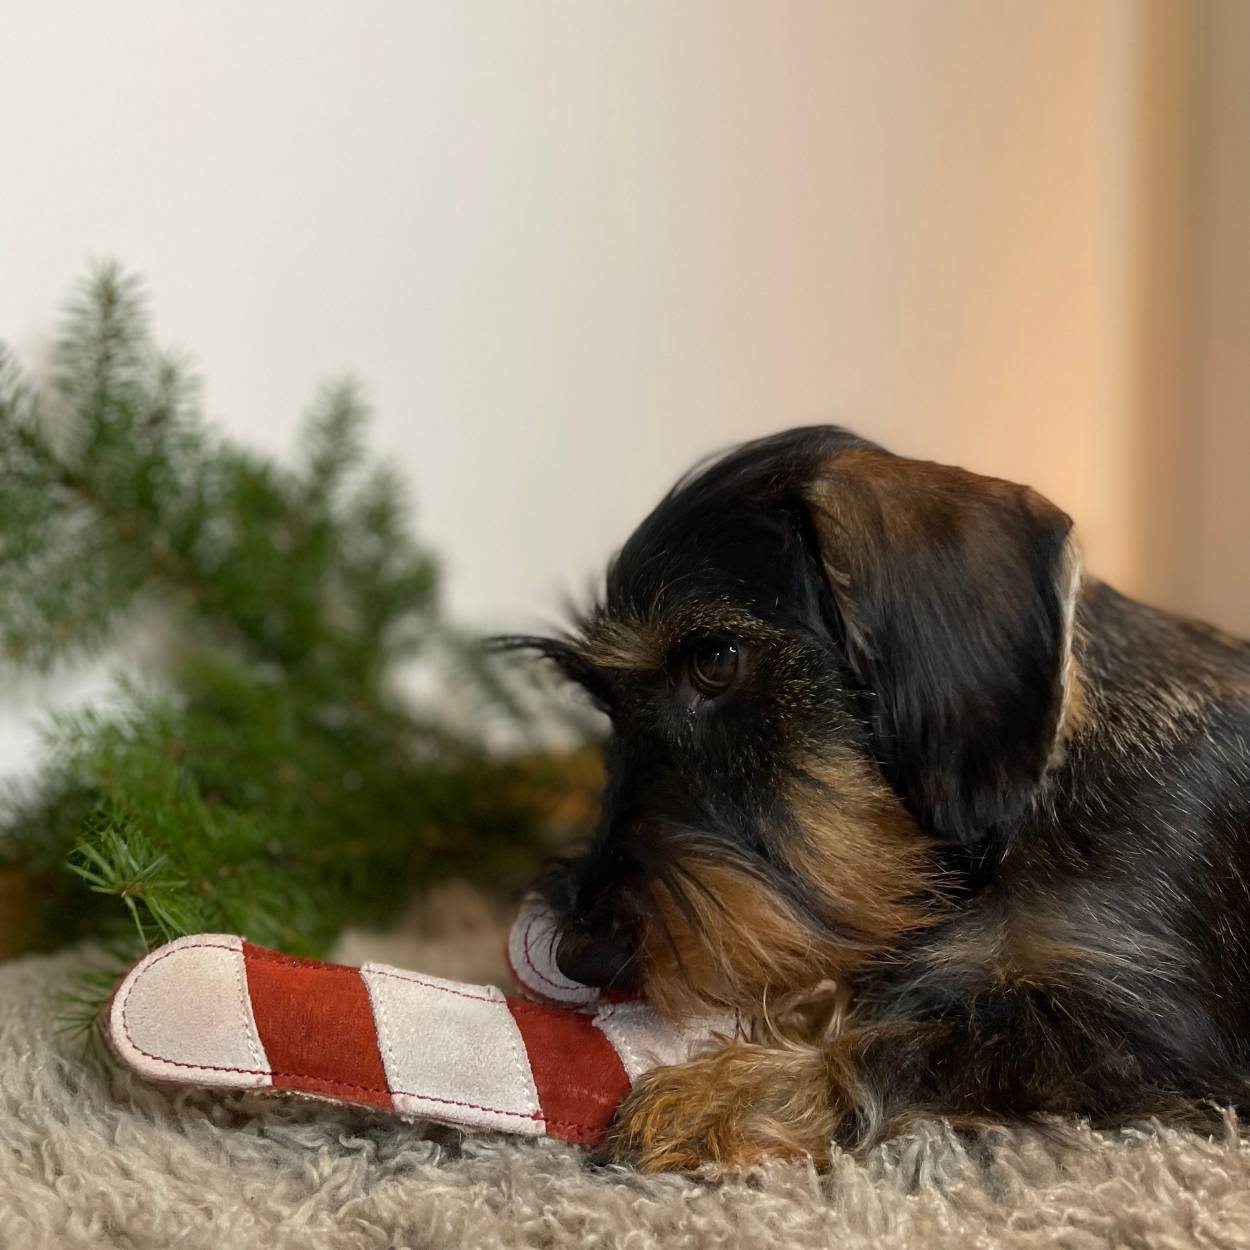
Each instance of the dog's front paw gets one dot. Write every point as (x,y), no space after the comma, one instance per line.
(727,1110)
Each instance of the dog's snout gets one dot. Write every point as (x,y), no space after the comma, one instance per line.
(603,959)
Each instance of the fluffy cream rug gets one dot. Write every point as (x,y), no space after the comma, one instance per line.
(89,1158)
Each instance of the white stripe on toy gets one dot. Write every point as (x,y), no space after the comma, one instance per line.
(645,1040)
(184,1014)
(452,1050)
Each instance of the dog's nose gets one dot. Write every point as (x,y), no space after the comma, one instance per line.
(604,960)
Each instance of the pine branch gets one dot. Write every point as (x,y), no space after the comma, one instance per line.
(265,778)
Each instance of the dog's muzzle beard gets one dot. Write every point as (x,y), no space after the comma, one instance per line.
(704,930)
(704,917)
(723,936)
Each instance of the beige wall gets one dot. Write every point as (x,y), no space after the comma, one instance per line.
(1190,305)
(1218,575)
(571,246)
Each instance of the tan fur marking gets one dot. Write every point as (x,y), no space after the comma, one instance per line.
(869,860)
(612,642)
(1072,706)
(861,492)
(1016,952)
(645,643)
(1033,946)
(729,1109)
(738,943)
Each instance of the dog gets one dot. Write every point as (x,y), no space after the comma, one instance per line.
(965,832)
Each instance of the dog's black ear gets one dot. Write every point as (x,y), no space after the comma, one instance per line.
(956,594)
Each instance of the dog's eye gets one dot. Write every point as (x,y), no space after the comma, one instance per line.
(713,665)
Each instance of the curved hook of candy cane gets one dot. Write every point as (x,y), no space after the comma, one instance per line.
(531,952)
(213,1010)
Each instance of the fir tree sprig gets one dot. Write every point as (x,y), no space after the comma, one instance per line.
(262,775)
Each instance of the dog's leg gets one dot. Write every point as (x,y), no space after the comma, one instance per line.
(745,1102)
(728,1108)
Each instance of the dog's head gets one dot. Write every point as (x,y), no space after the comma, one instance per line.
(820,662)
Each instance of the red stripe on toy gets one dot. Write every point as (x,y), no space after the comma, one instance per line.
(579,1077)
(315,1022)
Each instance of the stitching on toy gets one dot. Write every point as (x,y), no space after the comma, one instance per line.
(380,1011)
(455,1102)
(245,1000)
(292,961)
(531,993)
(381,971)
(517,1006)
(514,1035)
(217,946)
(329,1080)
(516,1044)
(631,1060)
(367,1089)
(529,959)
(384,1032)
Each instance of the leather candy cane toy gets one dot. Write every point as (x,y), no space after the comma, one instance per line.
(215,1011)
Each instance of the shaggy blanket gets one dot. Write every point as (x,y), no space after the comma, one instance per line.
(92,1158)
